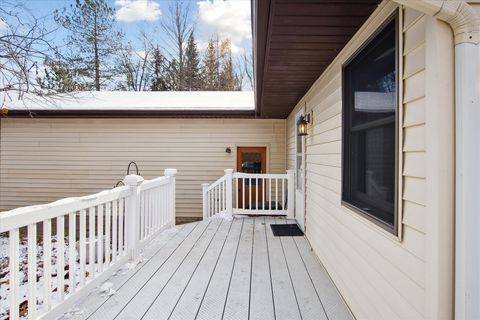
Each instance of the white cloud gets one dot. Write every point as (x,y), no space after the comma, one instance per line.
(3,24)
(138,10)
(226,19)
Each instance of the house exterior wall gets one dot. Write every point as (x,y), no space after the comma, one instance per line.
(42,160)
(382,276)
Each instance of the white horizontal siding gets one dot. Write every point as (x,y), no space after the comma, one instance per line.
(42,160)
(379,276)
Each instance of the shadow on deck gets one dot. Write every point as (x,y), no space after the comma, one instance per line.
(220,269)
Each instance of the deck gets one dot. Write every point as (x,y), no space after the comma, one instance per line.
(221,269)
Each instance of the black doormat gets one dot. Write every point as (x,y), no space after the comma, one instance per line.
(286,230)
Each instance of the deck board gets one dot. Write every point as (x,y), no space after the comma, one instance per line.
(238,296)
(222,269)
(261,298)
(214,299)
(157,249)
(166,300)
(141,302)
(286,304)
(308,301)
(189,303)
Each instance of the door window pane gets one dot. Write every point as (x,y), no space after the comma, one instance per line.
(251,162)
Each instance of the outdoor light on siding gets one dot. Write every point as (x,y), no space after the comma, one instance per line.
(302,125)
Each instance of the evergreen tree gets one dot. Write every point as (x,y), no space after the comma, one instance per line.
(228,79)
(211,66)
(58,77)
(193,74)
(92,40)
(159,66)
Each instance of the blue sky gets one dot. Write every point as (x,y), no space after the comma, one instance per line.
(213,17)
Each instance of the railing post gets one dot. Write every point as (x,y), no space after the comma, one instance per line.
(205,200)
(171,173)
(229,192)
(291,194)
(132,212)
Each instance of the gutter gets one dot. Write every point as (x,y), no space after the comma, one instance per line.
(57,113)
(465,23)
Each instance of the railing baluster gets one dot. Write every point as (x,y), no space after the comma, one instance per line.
(270,194)
(222,192)
(263,193)
(82,241)
(100,209)
(155,194)
(249,193)
(108,211)
(13,265)
(142,215)
(160,215)
(146,199)
(71,251)
(276,193)
(91,242)
(283,194)
(216,199)
(150,212)
(256,194)
(236,193)
(32,270)
(243,193)
(60,258)
(47,264)
(114,230)
(210,210)
(121,234)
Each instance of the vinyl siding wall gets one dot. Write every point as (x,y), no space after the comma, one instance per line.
(42,160)
(379,275)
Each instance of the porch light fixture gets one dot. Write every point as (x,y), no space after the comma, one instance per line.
(302,125)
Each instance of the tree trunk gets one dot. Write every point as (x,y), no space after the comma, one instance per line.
(97,58)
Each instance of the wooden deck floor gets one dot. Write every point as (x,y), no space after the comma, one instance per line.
(221,269)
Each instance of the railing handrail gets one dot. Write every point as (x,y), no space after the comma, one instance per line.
(216,183)
(153,183)
(259,175)
(23,216)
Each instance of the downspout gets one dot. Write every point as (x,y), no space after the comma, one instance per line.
(465,23)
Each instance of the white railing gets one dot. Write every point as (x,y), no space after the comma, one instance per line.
(94,236)
(252,194)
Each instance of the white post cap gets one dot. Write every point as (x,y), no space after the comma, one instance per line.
(227,171)
(170,172)
(133,180)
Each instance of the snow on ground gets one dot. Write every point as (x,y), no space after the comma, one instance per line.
(105,289)
(23,278)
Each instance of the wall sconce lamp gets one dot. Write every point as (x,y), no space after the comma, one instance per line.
(302,125)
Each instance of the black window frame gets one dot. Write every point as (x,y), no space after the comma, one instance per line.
(347,107)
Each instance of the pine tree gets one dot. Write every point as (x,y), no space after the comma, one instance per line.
(58,77)
(193,74)
(211,66)
(159,81)
(228,78)
(92,40)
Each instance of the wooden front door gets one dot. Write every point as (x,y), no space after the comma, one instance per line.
(251,160)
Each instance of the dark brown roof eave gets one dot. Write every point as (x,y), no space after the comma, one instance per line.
(130,114)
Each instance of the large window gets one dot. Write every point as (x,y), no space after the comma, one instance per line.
(369,128)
